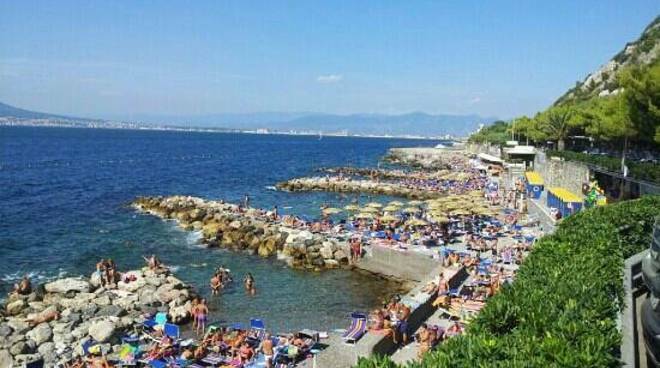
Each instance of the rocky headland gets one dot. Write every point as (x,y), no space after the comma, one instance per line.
(358,186)
(249,230)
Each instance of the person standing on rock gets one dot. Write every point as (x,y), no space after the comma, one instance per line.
(246,201)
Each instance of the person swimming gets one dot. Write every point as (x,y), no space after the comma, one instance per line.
(216,284)
(248,281)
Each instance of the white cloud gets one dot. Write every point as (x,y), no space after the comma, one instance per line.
(330,78)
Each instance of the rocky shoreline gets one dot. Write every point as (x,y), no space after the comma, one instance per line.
(54,321)
(357,186)
(249,230)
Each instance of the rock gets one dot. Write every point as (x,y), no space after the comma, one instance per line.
(19,348)
(326,251)
(72,318)
(5,330)
(68,284)
(81,330)
(25,359)
(268,248)
(40,334)
(6,361)
(102,300)
(89,311)
(331,263)
(19,326)
(341,256)
(111,310)
(95,279)
(15,307)
(102,331)
(180,314)
(47,351)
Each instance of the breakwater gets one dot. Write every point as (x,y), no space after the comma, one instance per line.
(250,230)
(358,186)
(52,322)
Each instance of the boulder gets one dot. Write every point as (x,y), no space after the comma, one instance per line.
(326,251)
(40,334)
(102,300)
(5,330)
(15,307)
(47,351)
(111,310)
(102,331)
(19,326)
(19,348)
(25,359)
(68,284)
(5,359)
(331,263)
(341,256)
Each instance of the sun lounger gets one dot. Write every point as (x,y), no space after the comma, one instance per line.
(171,330)
(213,359)
(357,329)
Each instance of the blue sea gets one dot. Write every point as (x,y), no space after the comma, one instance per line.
(63,206)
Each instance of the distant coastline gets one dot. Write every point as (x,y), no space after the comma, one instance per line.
(96,124)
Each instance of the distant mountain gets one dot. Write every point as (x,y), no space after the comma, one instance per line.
(603,82)
(11,111)
(418,123)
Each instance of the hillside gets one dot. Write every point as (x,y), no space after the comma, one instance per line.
(11,111)
(604,81)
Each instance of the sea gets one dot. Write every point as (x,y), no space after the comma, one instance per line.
(64,196)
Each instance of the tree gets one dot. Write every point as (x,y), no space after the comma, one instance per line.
(496,133)
(557,123)
(641,91)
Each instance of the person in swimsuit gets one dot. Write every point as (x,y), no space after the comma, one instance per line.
(266,347)
(202,313)
(193,311)
(249,283)
(423,337)
(24,287)
(216,284)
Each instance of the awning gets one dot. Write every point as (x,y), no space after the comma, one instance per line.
(565,195)
(490,158)
(534,178)
(522,150)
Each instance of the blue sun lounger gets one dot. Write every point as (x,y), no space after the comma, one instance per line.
(258,327)
(357,328)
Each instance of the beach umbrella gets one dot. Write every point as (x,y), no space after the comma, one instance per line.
(364,215)
(351,207)
(331,211)
(460,212)
(370,210)
(476,193)
(417,222)
(410,209)
(389,218)
(391,208)
(396,203)
(374,205)
(440,218)
(415,202)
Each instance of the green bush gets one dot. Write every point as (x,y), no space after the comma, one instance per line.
(562,309)
(638,170)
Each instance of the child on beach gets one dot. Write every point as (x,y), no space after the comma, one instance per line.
(201,316)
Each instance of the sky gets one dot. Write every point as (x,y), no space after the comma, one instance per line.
(118,58)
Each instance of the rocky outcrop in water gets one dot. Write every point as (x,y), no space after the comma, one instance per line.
(357,186)
(53,322)
(251,231)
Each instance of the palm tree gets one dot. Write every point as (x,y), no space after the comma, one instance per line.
(557,123)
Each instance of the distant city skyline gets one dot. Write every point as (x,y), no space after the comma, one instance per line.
(113,59)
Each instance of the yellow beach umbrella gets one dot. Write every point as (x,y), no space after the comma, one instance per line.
(440,218)
(351,207)
(391,209)
(331,211)
(417,222)
(415,203)
(460,212)
(396,203)
(389,218)
(374,205)
(410,209)
(370,210)
(364,215)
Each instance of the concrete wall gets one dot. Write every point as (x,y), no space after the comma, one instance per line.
(407,265)
(566,174)
(632,346)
